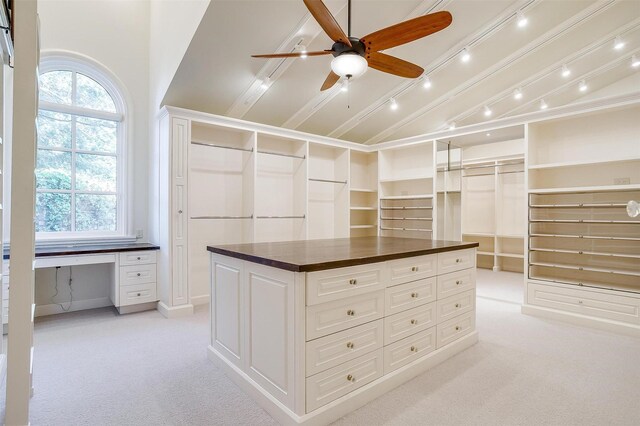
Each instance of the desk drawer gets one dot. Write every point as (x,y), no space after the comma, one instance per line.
(456,305)
(456,282)
(337,348)
(138,293)
(409,322)
(455,328)
(137,257)
(338,381)
(409,295)
(341,314)
(457,260)
(412,269)
(137,274)
(409,349)
(334,284)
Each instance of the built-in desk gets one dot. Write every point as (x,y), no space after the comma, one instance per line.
(133,277)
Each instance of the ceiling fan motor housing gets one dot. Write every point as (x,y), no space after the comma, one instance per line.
(356,47)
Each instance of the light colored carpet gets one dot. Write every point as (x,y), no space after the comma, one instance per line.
(98,368)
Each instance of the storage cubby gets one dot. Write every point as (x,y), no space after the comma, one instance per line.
(281,188)
(407,163)
(409,217)
(363,216)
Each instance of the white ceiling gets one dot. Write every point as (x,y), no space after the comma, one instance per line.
(217,74)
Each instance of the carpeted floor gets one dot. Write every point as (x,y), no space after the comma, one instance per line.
(98,368)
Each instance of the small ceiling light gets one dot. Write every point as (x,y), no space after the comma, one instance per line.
(345,85)
(543,104)
(487,111)
(521,19)
(635,62)
(618,43)
(517,94)
(488,134)
(426,82)
(582,86)
(303,51)
(393,104)
(566,72)
(465,56)
(265,83)
(349,65)
(452,125)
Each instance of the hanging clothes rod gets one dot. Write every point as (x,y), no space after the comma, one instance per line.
(303,157)
(282,217)
(221,217)
(480,174)
(407,218)
(341,182)
(211,145)
(515,171)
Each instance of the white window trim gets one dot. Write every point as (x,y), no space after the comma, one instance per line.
(52,61)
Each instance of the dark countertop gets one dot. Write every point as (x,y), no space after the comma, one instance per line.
(78,249)
(318,255)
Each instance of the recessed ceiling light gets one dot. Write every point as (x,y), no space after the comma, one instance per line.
(521,19)
(583,86)
(487,111)
(426,82)
(452,125)
(517,94)
(265,83)
(393,104)
(543,104)
(618,43)
(488,134)
(465,56)
(635,62)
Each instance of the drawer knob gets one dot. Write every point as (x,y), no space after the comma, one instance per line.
(351,312)
(353,281)
(138,274)
(414,269)
(458,260)
(414,295)
(414,321)
(139,258)
(580,301)
(350,345)
(457,328)
(414,349)
(139,294)
(457,305)
(458,282)
(351,378)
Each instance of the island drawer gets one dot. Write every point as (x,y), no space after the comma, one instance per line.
(456,305)
(331,384)
(455,328)
(138,293)
(137,257)
(137,274)
(334,284)
(412,269)
(406,296)
(456,282)
(452,261)
(337,348)
(409,349)
(409,322)
(341,314)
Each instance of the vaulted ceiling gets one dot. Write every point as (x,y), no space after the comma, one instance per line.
(217,74)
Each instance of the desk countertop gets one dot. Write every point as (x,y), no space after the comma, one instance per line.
(318,255)
(78,249)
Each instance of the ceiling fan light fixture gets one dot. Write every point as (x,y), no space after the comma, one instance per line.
(426,82)
(566,72)
(618,43)
(517,94)
(465,56)
(635,62)
(521,19)
(349,65)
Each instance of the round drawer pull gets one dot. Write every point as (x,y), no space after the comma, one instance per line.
(353,281)
(457,327)
(179,211)
(138,274)
(414,321)
(350,345)
(139,258)
(351,378)
(458,282)
(580,301)
(351,312)
(414,349)
(458,260)
(414,269)
(457,305)
(414,295)
(139,294)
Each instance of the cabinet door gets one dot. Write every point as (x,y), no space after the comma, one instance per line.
(179,214)
(226,307)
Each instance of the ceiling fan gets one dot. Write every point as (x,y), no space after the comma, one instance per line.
(353,55)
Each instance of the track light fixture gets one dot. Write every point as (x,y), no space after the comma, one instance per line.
(266,82)
(566,72)
(487,111)
(618,43)
(635,62)
(426,82)
(393,104)
(452,125)
(521,19)
(582,86)
(465,56)
(543,104)
(517,94)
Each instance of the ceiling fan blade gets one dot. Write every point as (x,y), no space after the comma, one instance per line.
(327,21)
(292,55)
(332,79)
(392,65)
(407,31)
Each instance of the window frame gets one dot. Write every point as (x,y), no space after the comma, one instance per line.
(99,73)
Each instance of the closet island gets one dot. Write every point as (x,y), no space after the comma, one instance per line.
(313,329)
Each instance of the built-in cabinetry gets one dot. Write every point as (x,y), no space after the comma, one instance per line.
(583,249)
(363,208)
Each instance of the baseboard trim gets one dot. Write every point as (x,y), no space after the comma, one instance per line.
(582,320)
(139,307)
(171,312)
(347,403)
(76,305)
(200,300)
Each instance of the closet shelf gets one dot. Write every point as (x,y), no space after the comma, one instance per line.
(408,218)
(407,179)
(588,253)
(364,208)
(514,255)
(405,229)
(407,197)
(585,189)
(576,205)
(587,268)
(221,217)
(511,236)
(587,237)
(363,190)
(591,221)
(406,208)
(582,163)
(485,253)
(362,226)
(593,284)
(478,234)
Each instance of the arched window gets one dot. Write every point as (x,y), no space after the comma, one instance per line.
(80,166)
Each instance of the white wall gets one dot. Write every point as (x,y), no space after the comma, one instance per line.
(495,149)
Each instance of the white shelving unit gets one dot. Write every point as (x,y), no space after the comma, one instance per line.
(363,196)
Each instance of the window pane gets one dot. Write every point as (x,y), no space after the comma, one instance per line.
(95,173)
(53,170)
(54,130)
(55,86)
(95,212)
(90,94)
(53,212)
(96,135)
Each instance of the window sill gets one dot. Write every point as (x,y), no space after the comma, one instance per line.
(46,242)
